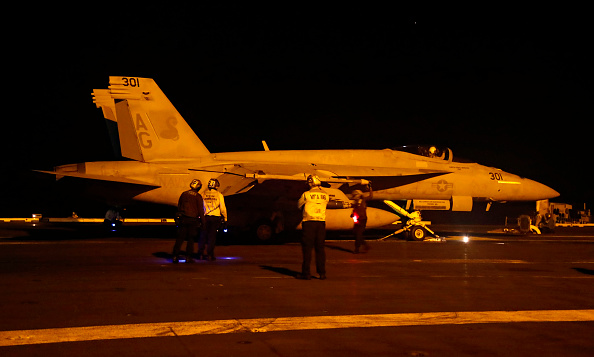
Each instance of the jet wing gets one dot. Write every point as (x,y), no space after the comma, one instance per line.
(233,178)
(241,177)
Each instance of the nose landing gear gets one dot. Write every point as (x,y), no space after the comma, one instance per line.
(415,228)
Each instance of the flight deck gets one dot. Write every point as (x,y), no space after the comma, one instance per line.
(76,293)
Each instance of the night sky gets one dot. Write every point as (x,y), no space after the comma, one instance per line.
(506,87)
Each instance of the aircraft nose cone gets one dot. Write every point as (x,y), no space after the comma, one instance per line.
(538,191)
(549,192)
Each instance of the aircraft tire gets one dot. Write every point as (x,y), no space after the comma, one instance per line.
(417,233)
(263,230)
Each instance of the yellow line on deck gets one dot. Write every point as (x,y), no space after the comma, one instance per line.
(259,325)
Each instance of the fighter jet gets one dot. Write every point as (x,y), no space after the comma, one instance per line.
(262,187)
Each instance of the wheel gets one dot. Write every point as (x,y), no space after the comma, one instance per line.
(418,233)
(264,231)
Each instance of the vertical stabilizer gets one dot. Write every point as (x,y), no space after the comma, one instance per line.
(149,126)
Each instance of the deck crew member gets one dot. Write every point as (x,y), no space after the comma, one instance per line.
(313,203)
(359,216)
(189,219)
(215,214)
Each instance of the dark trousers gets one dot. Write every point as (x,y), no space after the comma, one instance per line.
(358,230)
(313,238)
(209,235)
(187,229)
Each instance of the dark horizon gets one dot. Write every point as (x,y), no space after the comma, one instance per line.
(508,89)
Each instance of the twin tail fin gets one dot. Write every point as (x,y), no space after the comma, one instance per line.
(148,125)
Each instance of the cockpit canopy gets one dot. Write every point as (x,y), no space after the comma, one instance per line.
(431,151)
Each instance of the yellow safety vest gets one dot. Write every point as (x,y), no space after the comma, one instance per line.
(314,204)
(214,203)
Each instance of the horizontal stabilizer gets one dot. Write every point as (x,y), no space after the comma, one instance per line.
(103,99)
(99,178)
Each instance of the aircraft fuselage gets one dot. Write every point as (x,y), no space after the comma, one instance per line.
(395,175)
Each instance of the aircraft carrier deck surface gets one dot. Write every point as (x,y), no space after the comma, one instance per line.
(71,293)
